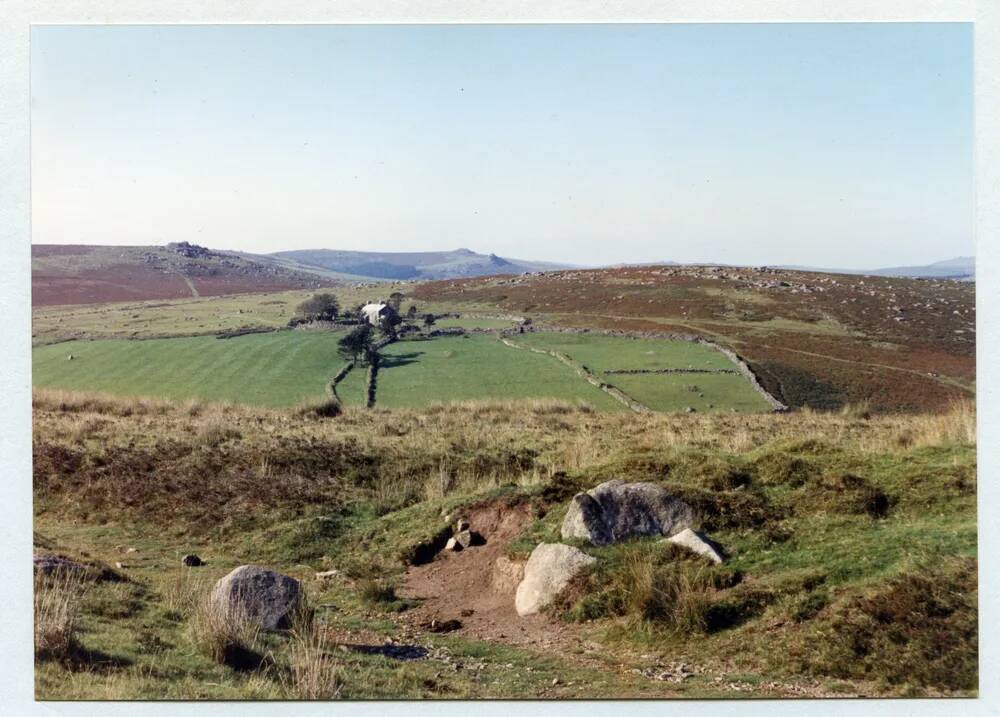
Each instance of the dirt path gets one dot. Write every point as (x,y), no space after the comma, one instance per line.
(187,280)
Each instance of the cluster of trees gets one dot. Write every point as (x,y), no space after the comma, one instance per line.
(321,307)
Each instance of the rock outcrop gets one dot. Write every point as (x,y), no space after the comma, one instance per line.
(616,510)
(259,594)
(547,572)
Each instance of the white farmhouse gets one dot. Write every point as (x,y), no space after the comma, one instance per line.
(374,313)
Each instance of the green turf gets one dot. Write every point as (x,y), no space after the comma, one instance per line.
(601,353)
(661,392)
(473,322)
(288,368)
(276,369)
(475,367)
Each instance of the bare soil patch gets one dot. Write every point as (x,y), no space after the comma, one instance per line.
(460,586)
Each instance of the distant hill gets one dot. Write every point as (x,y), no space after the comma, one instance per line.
(87,274)
(410,265)
(963,267)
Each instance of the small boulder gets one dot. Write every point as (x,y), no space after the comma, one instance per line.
(261,594)
(547,572)
(461,524)
(697,543)
(452,544)
(615,511)
(331,574)
(192,561)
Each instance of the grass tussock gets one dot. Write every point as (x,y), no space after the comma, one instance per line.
(57,609)
(226,634)
(313,671)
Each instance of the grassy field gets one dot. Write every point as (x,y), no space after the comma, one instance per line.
(661,392)
(274,369)
(289,368)
(476,367)
(851,548)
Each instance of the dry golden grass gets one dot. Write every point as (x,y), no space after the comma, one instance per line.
(313,673)
(224,632)
(57,601)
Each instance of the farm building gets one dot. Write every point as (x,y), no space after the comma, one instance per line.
(374,313)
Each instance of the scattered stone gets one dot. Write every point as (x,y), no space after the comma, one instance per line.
(261,594)
(452,544)
(461,525)
(331,574)
(548,570)
(131,550)
(698,543)
(120,565)
(616,510)
(192,561)
(555,681)
(507,574)
(464,538)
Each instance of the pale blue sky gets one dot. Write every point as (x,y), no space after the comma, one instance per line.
(835,145)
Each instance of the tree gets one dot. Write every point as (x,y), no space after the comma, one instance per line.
(389,321)
(395,301)
(411,313)
(321,307)
(429,320)
(357,342)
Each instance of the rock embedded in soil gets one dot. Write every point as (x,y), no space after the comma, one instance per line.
(696,542)
(615,511)
(547,572)
(464,538)
(259,594)
(507,574)
(461,524)
(49,564)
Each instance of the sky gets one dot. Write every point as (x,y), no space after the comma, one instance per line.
(836,145)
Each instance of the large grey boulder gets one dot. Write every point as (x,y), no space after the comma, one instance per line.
(616,510)
(260,595)
(548,570)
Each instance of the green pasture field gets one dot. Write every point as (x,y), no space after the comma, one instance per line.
(661,392)
(288,368)
(473,322)
(276,369)
(476,367)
